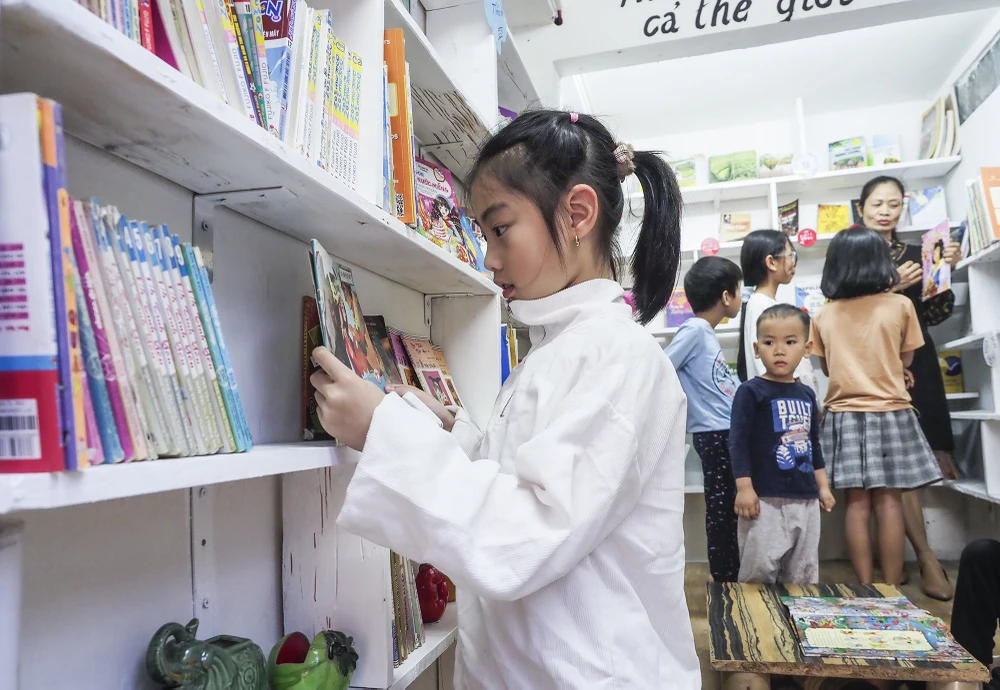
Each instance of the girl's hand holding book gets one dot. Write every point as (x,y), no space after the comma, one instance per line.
(346,402)
(435,406)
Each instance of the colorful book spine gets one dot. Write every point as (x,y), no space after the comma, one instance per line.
(202,339)
(231,48)
(97,392)
(109,409)
(260,58)
(243,31)
(146,25)
(114,308)
(70,357)
(325,87)
(174,344)
(387,184)
(204,293)
(279,21)
(353,133)
(402,142)
(95,453)
(163,248)
(210,62)
(310,93)
(31,429)
(339,114)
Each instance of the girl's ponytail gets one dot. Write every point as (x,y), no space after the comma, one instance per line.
(657,250)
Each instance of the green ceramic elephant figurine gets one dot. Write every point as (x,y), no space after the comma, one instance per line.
(176,659)
(325,664)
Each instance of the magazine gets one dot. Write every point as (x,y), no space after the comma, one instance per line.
(432,369)
(735,226)
(341,319)
(937,271)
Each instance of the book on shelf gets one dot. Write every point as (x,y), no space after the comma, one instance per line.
(379,333)
(832,218)
(936,270)
(687,170)
(428,361)
(401,122)
(951,371)
(731,167)
(983,193)
(889,628)
(407,623)
(848,153)
(926,207)
(933,131)
(788,217)
(809,296)
(115,317)
(734,226)
(133,18)
(678,308)
(884,150)
(775,165)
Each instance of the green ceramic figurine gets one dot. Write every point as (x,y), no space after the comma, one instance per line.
(326,664)
(176,659)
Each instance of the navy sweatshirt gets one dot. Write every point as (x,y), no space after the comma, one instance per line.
(774,438)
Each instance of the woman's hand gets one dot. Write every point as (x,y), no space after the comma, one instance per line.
(446,417)
(953,253)
(346,402)
(910,273)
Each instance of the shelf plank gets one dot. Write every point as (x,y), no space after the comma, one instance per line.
(971,487)
(119,97)
(444,120)
(515,90)
(962,396)
(439,636)
(976,416)
(109,482)
(988,255)
(969,342)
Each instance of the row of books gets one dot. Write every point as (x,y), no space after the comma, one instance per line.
(417,191)
(983,226)
(407,623)
(939,129)
(279,64)
(111,340)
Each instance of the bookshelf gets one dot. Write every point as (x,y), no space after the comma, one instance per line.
(202,536)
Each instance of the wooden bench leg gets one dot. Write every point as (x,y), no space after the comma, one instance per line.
(952,685)
(748,681)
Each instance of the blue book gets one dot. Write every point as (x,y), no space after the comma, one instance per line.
(223,364)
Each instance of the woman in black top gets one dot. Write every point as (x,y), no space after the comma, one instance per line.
(881,207)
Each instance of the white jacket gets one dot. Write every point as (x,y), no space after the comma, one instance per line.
(562,523)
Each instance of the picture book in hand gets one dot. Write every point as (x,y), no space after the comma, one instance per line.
(341,320)
(431,369)
(937,271)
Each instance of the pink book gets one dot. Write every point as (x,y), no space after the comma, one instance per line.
(87,278)
(93,435)
(161,43)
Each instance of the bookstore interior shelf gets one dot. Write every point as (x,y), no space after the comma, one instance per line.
(438,637)
(976,416)
(971,487)
(969,342)
(963,396)
(833,179)
(989,255)
(445,121)
(107,482)
(119,97)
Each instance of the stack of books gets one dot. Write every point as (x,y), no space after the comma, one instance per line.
(112,344)
(279,64)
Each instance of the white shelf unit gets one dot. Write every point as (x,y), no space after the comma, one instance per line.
(121,550)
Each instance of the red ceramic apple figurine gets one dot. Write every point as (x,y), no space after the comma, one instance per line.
(432,591)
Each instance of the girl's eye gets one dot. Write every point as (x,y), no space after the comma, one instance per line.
(499,230)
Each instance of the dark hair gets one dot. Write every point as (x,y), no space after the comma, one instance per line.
(938,245)
(785,311)
(543,153)
(757,246)
(708,278)
(857,264)
(875,182)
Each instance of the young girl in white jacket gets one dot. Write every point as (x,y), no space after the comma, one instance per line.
(561,522)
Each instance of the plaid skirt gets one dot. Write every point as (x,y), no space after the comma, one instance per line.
(877,450)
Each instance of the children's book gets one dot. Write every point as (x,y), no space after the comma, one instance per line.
(432,369)
(379,334)
(775,165)
(884,150)
(788,216)
(733,166)
(848,153)
(402,129)
(678,308)
(832,218)
(809,297)
(279,39)
(951,371)
(735,226)
(438,212)
(937,271)
(686,172)
(927,207)
(340,317)
(32,437)
(402,360)
(312,337)
(932,126)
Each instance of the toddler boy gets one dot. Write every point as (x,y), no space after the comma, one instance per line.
(774,442)
(713,290)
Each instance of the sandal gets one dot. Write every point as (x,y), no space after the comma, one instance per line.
(945,593)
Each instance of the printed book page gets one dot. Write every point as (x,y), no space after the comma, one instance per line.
(880,640)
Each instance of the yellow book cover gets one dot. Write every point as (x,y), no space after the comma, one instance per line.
(832,218)
(951,371)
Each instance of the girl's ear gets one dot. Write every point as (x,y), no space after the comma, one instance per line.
(771,263)
(583,210)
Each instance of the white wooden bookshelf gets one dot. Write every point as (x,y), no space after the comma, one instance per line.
(971,395)
(201,536)
(989,255)
(969,342)
(47,491)
(971,487)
